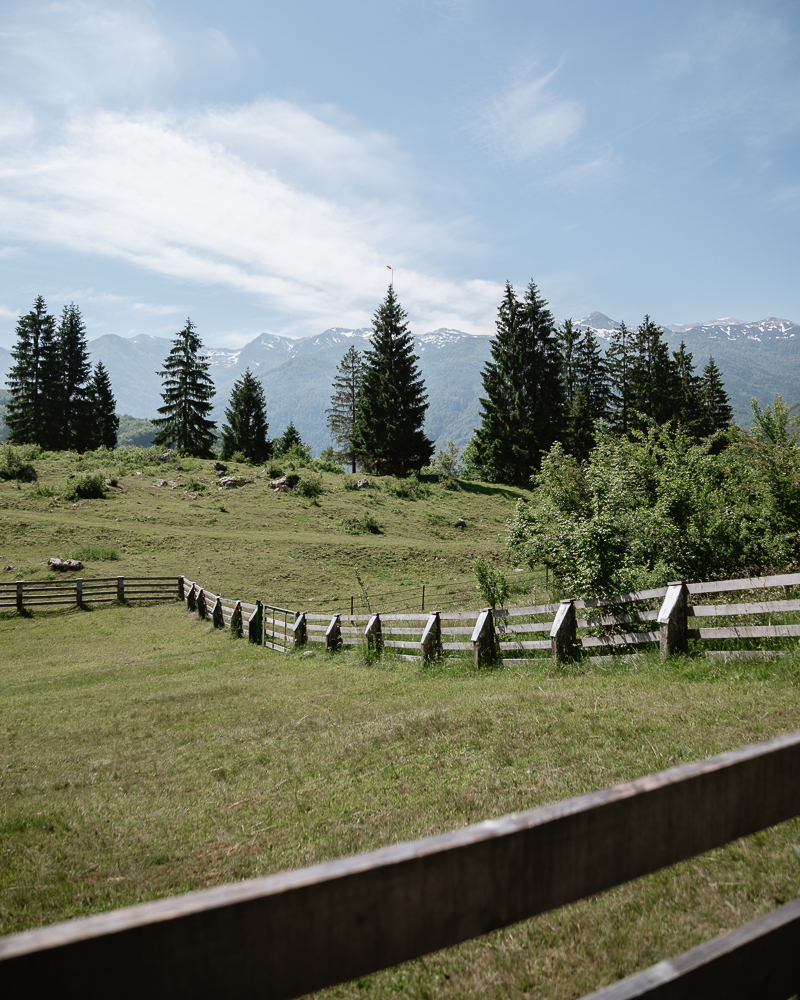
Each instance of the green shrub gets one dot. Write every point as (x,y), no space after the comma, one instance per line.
(95,553)
(274,471)
(364,525)
(406,489)
(40,490)
(349,482)
(490,582)
(89,486)
(15,460)
(308,486)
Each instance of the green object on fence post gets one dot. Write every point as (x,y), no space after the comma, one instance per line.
(259,624)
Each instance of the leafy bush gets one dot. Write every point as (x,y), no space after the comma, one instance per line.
(349,482)
(406,489)
(40,490)
(659,507)
(15,460)
(364,525)
(308,486)
(89,486)
(95,553)
(274,471)
(490,582)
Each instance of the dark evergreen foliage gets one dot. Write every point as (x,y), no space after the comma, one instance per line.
(715,401)
(103,422)
(188,390)
(388,435)
(568,343)
(524,408)
(653,376)
(687,404)
(246,429)
(580,435)
(620,363)
(33,381)
(289,439)
(344,404)
(76,428)
(591,376)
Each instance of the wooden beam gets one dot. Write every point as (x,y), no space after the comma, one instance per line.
(333,635)
(674,637)
(300,631)
(562,633)
(373,633)
(430,645)
(285,935)
(758,960)
(484,641)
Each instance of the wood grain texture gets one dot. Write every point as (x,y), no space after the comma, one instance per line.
(285,935)
(759,960)
(750,632)
(749,583)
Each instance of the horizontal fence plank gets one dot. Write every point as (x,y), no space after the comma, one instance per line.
(457,645)
(388,630)
(630,639)
(640,595)
(399,644)
(460,630)
(46,604)
(150,597)
(641,616)
(750,583)
(285,935)
(762,608)
(760,959)
(272,645)
(526,644)
(407,657)
(539,609)
(522,629)
(406,618)
(750,632)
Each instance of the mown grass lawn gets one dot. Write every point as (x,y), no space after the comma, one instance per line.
(144,754)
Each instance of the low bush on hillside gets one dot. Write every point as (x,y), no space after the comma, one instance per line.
(89,486)
(660,507)
(15,460)
(364,525)
(349,482)
(309,486)
(406,489)
(95,553)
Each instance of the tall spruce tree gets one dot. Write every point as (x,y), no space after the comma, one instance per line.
(73,354)
(388,435)
(653,376)
(344,404)
(580,426)
(688,406)
(101,408)
(34,381)
(592,375)
(523,411)
(620,363)
(715,400)
(246,429)
(568,342)
(288,440)
(187,393)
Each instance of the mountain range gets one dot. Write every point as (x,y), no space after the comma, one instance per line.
(757,360)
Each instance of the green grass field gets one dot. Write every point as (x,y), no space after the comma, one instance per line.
(145,754)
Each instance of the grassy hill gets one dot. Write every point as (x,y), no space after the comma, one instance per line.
(146,754)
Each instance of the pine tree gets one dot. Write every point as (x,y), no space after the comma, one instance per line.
(653,375)
(101,409)
(591,375)
(620,363)
(246,429)
(688,406)
(289,439)
(580,426)
(715,400)
(187,392)
(388,435)
(344,404)
(568,343)
(34,390)
(523,411)
(73,354)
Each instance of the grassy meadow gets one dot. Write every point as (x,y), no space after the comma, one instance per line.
(145,754)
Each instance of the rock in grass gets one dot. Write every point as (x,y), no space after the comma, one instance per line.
(64,564)
(362,484)
(219,466)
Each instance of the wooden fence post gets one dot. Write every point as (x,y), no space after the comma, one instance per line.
(563,631)
(121,589)
(374,634)
(79,592)
(258,618)
(333,634)
(430,645)
(202,610)
(672,617)
(300,631)
(217,616)
(19,596)
(236,618)
(181,595)
(484,643)
(191,598)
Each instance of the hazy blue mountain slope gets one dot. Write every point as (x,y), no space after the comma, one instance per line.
(132,364)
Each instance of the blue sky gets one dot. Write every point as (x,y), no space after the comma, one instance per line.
(256,165)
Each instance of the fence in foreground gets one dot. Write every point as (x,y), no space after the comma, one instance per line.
(663,616)
(22,594)
(288,934)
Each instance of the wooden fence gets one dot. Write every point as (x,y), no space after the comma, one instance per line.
(22,594)
(285,935)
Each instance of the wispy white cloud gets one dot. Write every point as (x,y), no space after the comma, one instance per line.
(527,121)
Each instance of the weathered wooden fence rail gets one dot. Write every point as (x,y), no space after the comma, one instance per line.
(23,594)
(285,935)
(513,635)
